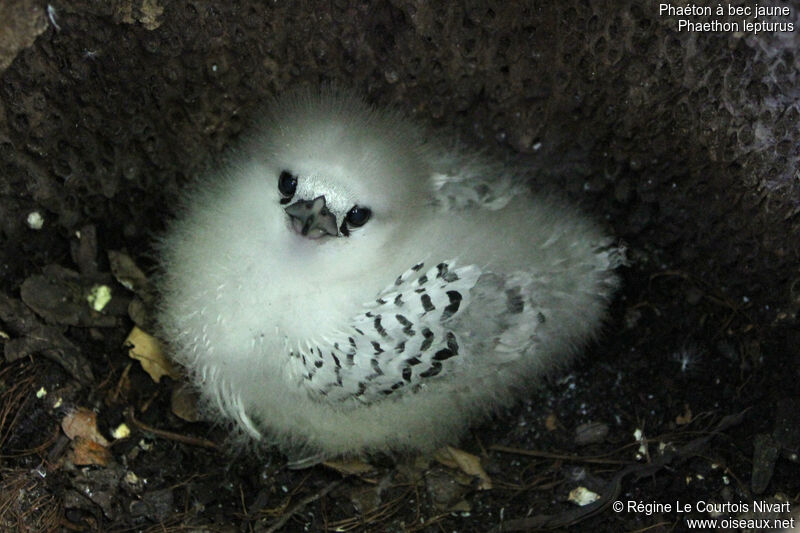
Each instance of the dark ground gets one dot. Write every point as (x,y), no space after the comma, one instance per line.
(687,143)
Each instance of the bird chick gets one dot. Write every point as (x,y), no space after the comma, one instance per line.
(351,283)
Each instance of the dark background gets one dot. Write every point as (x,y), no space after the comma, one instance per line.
(686,144)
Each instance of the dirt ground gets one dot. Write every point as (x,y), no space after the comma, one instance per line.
(685,144)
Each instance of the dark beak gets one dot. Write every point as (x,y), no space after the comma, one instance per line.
(312,219)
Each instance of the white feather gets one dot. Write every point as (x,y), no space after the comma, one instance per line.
(267,320)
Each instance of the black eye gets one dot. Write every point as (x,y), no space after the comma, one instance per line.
(287,184)
(358,216)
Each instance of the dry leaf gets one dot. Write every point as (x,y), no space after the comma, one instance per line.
(365,498)
(127,272)
(466,462)
(82,424)
(147,350)
(686,417)
(184,403)
(551,422)
(462,506)
(350,467)
(88,452)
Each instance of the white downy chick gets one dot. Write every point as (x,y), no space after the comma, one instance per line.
(350,283)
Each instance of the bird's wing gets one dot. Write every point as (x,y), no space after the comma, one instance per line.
(463,179)
(397,344)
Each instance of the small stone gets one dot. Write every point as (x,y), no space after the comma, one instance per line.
(590,433)
(35,220)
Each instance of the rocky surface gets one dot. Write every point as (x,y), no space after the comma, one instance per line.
(686,142)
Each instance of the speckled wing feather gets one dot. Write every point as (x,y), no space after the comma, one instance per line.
(401,341)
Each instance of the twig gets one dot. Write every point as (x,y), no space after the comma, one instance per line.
(614,487)
(193,441)
(560,456)
(300,505)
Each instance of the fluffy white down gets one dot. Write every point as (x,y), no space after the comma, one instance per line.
(247,303)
